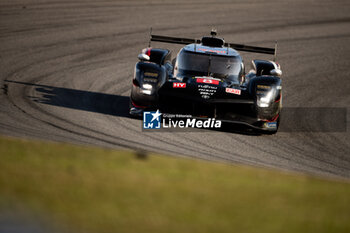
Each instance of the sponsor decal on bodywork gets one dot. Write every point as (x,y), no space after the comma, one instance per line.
(212,50)
(179,85)
(233,91)
(206,91)
(208,81)
(272,125)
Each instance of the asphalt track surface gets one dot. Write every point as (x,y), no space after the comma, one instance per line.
(66,69)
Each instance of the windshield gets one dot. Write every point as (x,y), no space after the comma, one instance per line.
(195,64)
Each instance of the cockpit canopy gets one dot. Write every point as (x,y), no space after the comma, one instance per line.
(225,67)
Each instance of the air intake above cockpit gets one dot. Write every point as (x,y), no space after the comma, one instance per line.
(212,41)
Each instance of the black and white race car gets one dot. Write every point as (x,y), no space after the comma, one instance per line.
(207,79)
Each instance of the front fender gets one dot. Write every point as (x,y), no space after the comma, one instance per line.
(267,92)
(148,79)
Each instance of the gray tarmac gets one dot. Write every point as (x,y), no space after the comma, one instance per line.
(66,70)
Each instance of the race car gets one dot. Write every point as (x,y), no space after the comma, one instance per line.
(207,79)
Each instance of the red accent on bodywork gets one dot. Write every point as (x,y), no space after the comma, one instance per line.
(137,106)
(148,52)
(135,83)
(279,99)
(274,119)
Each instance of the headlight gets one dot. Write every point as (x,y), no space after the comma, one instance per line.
(147,86)
(147,92)
(146,89)
(264,101)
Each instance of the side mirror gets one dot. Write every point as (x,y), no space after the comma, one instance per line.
(276,72)
(143,57)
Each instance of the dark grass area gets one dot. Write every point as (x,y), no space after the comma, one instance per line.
(87,189)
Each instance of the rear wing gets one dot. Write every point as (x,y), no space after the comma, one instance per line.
(173,40)
(239,47)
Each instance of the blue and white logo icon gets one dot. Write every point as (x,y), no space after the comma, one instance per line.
(271,124)
(151,120)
